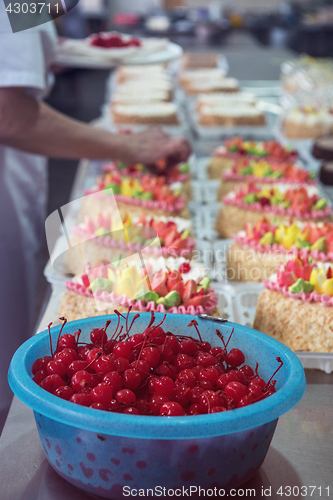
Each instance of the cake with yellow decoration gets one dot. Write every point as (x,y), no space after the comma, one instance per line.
(296,306)
(103,238)
(307,122)
(264,173)
(178,173)
(250,202)
(237,148)
(163,285)
(257,252)
(147,195)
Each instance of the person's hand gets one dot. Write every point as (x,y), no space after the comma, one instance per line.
(153,145)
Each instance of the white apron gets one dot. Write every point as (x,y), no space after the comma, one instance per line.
(25,59)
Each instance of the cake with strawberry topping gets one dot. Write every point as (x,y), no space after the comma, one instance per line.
(296,306)
(164,168)
(233,149)
(171,285)
(103,238)
(250,202)
(258,250)
(147,195)
(263,172)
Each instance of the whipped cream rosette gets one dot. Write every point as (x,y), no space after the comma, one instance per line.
(162,285)
(251,202)
(296,306)
(258,250)
(236,148)
(102,237)
(263,173)
(147,195)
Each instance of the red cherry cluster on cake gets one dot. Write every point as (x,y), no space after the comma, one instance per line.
(114,40)
(151,373)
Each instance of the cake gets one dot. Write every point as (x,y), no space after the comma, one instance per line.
(130,95)
(250,203)
(323,148)
(171,174)
(296,306)
(263,172)
(103,238)
(200,75)
(257,251)
(172,285)
(157,113)
(231,116)
(147,195)
(225,99)
(233,149)
(307,123)
(199,60)
(201,86)
(128,73)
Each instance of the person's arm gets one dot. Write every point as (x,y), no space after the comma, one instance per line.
(35,127)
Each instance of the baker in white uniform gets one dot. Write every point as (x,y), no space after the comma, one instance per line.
(30,131)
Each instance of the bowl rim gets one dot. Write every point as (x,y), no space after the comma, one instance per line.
(149,427)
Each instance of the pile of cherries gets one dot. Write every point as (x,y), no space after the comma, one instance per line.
(114,40)
(150,373)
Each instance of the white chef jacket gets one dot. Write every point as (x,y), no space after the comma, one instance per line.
(25,59)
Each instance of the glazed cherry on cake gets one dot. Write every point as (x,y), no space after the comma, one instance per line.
(155,372)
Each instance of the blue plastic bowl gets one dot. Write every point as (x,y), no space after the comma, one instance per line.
(103,452)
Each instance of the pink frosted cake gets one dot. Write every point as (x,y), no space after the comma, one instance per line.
(263,172)
(296,306)
(148,195)
(175,286)
(236,148)
(180,173)
(258,250)
(250,203)
(101,238)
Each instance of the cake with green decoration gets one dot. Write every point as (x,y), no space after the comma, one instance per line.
(147,195)
(162,285)
(178,173)
(237,148)
(264,173)
(296,306)
(279,203)
(106,237)
(257,252)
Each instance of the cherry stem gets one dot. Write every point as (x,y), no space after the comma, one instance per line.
(106,345)
(129,310)
(232,331)
(256,370)
(78,333)
(134,319)
(195,324)
(49,327)
(220,336)
(98,355)
(62,326)
(152,319)
(279,360)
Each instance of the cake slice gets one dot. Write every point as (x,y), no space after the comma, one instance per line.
(199,60)
(250,203)
(258,250)
(103,238)
(200,75)
(225,99)
(201,86)
(160,113)
(147,195)
(264,173)
(231,116)
(296,306)
(307,123)
(172,285)
(233,149)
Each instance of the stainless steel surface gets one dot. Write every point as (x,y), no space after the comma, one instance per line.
(300,455)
